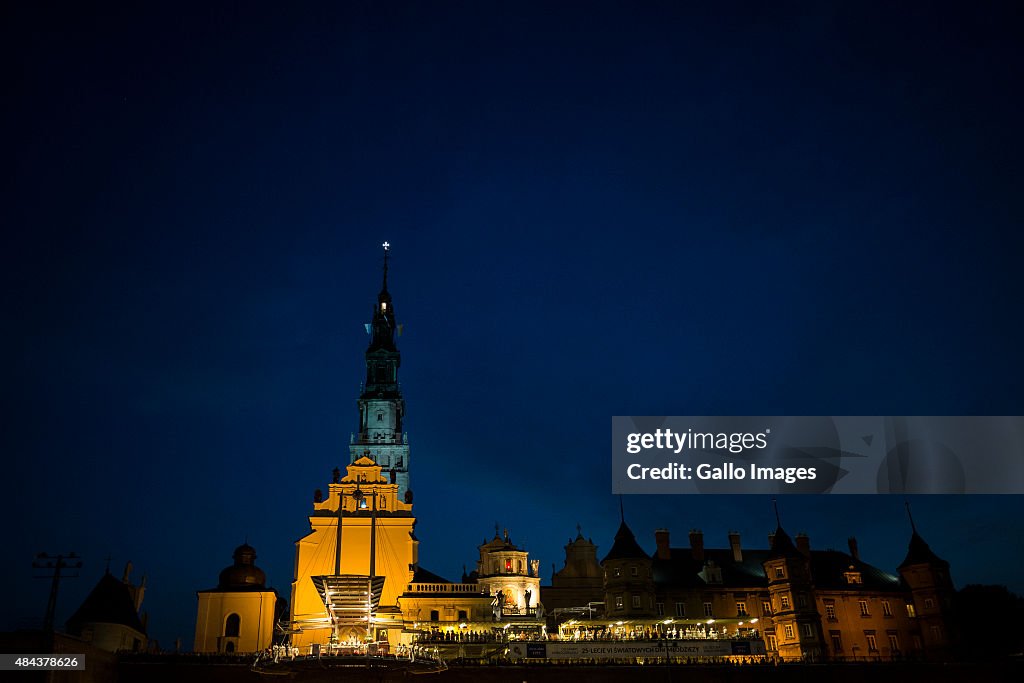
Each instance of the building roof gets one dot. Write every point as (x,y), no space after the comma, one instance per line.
(828,570)
(625,546)
(243,574)
(110,602)
(422,575)
(918,552)
(782,545)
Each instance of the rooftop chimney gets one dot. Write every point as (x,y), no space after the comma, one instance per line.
(697,544)
(661,539)
(854,551)
(803,544)
(734,543)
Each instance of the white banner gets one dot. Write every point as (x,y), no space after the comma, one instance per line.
(629,649)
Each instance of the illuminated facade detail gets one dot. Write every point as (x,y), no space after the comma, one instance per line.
(395,553)
(505,570)
(239,614)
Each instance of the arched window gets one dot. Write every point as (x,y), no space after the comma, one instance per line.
(232,625)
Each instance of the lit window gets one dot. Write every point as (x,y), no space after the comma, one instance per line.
(618,602)
(383,305)
(911,612)
(864,611)
(766,607)
(741,609)
(789,632)
(508,565)
(772,643)
(618,572)
(830,611)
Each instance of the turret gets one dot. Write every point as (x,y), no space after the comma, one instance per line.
(931,587)
(796,622)
(628,577)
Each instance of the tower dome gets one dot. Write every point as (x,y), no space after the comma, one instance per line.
(243,574)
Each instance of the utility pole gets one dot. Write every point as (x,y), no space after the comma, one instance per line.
(55,563)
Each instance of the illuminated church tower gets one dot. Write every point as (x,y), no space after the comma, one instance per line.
(381,407)
(363,526)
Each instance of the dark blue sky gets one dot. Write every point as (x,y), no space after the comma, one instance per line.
(595,209)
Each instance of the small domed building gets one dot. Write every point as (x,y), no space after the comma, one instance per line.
(237,615)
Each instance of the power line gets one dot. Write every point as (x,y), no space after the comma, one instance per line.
(51,566)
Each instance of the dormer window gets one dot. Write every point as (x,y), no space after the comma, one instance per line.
(853,576)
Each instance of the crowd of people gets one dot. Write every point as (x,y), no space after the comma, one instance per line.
(697,632)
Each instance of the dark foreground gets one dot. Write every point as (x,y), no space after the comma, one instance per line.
(132,672)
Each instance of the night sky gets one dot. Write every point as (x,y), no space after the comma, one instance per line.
(595,209)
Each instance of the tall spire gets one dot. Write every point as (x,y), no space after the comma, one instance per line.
(381,434)
(778,520)
(383,326)
(913,528)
